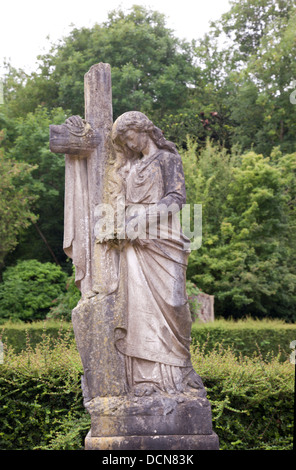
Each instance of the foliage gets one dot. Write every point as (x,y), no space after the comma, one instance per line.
(249,337)
(66,301)
(29,289)
(43,240)
(242,70)
(150,67)
(41,396)
(42,402)
(203,125)
(248,211)
(17,335)
(16,202)
(249,55)
(194,305)
(251,400)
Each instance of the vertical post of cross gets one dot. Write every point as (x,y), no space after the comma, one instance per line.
(97,317)
(99,114)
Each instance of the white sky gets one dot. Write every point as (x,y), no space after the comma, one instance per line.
(25,24)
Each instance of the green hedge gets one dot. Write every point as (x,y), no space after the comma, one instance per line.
(247,337)
(19,335)
(41,402)
(252,400)
(40,395)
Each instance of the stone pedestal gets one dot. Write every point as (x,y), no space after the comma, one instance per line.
(169,442)
(158,422)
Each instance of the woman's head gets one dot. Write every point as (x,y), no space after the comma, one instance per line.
(133,127)
(134,120)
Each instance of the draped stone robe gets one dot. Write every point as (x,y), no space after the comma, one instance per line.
(156,339)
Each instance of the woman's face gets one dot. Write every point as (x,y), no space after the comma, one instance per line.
(136,141)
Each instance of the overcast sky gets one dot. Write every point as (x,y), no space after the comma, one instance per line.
(25,24)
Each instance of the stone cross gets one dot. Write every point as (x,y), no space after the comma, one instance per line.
(87,146)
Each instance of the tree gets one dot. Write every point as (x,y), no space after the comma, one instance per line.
(202,126)
(248,58)
(242,70)
(150,67)
(249,22)
(43,239)
(16,203)
(246,252)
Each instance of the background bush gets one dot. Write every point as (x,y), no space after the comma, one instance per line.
(18,335)
(40,396)
(246,337)
(66,301)
(252,400)
(29,289)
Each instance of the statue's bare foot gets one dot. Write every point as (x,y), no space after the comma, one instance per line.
(193,380)
(144,389)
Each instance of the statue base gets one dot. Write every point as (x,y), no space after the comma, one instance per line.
(160,421)
(159,442)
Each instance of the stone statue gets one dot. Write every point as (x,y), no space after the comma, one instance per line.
(157,337)
(124,189)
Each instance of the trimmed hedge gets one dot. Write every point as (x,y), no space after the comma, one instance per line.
(252,400)
(19,335)
(247,337)
(41,401)
(40,396)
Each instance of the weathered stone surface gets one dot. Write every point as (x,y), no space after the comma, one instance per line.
(88,148)
(171,442)
(94,322)
(75,137)
(159,414)
(207,307)
(149,175)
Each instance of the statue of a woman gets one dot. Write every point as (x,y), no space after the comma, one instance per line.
(156,341)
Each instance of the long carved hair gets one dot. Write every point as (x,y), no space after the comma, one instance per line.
(137,121)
